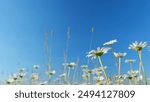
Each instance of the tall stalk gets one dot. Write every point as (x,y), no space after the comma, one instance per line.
(68,75)
(119,66)
(141,65)
(100,61)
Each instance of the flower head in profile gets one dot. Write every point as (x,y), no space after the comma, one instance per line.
(71,65)
(84,66)
(110,42)
(138,46)
(63,75)
(99,52)
(10,81)
(22,74)
(130,61)
(99,70)
(22,69)
(50,73)
(15,76)
(34,76)
(36,66)
(119,55)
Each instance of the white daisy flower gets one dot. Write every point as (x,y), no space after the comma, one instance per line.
(120,55)
(110,42)
(63,75)
(50,73)
(36,66)
(22,74)
(10,81)
(15,76)
(71,65)
(34,76)
(129,61)
(99,52)
(138,46)
(84,66)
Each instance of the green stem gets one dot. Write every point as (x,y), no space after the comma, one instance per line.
(142,66)
(134,80)
(114,55)
(119,66)
(68,75)
(100,61)
(131,67)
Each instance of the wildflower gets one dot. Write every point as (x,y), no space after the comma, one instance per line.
(22,70)
(130,61)
(50,73)
(138,46)
(100,80)
(84,66)
(34,76)
(110,42)
(15,76)
(99,52)
(36,66)
(10,81)
(140,77)
(63,75)
(22,74)
(120,55)
(99,70)
(71,65)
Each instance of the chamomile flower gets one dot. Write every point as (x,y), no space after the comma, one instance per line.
(36,66)
(99,52)
(15,76)
(34,76)
(63,75)
(84,66)
(119,55)
(10,81)
(110,42)
(138,46)
(72,64)
(50,73)
(22,74)
(129,61)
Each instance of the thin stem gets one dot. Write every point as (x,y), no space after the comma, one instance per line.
(131,67)
(113,54)
(68,75)
(134,78)
(142,66)
(119,65)
(100,61)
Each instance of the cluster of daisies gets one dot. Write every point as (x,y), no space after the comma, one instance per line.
(132,77)
(90,76)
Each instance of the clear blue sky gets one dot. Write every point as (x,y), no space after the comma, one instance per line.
(23,24)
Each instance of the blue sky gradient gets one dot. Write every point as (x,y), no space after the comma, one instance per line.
(23,25)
